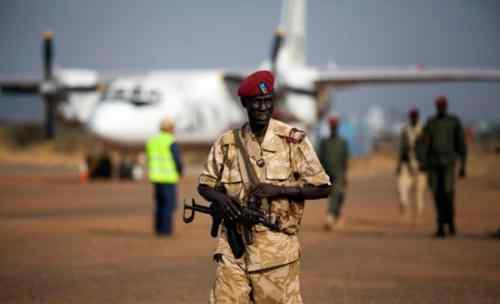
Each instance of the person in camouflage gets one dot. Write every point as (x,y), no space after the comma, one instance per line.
(444,143)
(408,170)
(334,156)
(288,173)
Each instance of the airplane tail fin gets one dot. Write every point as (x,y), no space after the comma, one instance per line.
(293,25)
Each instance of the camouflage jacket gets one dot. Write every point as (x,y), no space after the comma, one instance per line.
(289,160)
(410,144)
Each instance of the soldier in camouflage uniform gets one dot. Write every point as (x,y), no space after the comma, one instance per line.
(408,170)
(334,156)
(444,143)
(288,172)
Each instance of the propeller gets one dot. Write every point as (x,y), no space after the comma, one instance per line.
(48,87)
(48,55)
(277,42)
(282,89)
(319,94)
(276,45)
(50,90)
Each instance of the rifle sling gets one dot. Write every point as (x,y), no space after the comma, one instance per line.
(252,175)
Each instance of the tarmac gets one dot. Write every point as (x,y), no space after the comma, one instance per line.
(66,242)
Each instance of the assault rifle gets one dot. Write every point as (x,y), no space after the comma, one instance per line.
(250,216)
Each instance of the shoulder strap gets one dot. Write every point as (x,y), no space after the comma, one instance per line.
(218,183)
(252,175)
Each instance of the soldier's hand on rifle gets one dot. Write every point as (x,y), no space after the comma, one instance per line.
(264,190)
(227,207)
(461,172)
(224,205)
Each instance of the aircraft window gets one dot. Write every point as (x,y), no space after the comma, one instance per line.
(119,94)
(155,96)
(137,99)
(136,96)
(141,98)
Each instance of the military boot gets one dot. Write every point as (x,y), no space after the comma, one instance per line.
(440,232)
(451,228)
(339,222)
(329,222)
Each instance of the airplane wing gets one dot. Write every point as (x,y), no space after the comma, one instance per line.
(345,78)
(234,77)
(232,80)
(35,87)
(19,86)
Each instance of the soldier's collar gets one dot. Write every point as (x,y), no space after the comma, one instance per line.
(271,141)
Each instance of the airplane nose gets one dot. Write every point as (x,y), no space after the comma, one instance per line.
(123,124)
(114,122)
(100,123)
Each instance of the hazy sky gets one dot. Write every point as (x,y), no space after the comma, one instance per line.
(133,35)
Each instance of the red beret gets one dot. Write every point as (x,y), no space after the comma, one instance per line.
(333,120)
(258,83)
(413,112)
(441,101)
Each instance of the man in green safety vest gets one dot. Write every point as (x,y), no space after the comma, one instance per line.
(165,168)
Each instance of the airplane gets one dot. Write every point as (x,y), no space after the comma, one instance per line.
(124,111)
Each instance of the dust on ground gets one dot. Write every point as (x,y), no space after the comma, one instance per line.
(66,242)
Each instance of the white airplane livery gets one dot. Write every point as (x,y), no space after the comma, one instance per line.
(131,109)
(126,111)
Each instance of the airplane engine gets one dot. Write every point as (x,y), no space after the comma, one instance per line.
(77,106)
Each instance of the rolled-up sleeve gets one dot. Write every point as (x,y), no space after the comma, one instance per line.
(211,169)
(309,167)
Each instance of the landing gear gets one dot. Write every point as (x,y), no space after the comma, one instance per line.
(130,168)
(99,165)
(103,164)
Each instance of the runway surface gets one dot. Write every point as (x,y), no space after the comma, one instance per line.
(65,242)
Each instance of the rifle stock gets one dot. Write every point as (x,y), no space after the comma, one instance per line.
(233,237)
(188,218)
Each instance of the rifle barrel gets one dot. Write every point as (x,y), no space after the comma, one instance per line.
(200,208)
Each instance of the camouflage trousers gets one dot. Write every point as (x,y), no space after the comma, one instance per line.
(233,285)
(411,188)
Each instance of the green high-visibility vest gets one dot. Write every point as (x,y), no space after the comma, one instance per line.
(161,163)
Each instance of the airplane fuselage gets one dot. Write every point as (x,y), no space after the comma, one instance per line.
(131,110)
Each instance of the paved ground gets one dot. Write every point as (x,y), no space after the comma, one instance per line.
(62,242)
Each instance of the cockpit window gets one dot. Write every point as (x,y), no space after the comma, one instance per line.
(136,96)
(155,96)
(115,94)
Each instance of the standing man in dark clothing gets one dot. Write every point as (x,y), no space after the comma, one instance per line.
(334,156)
(444,144)
(165,168)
